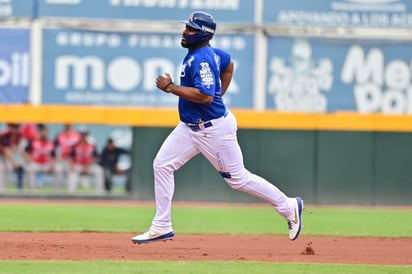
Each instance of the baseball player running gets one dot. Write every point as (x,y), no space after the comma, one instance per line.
(207,127)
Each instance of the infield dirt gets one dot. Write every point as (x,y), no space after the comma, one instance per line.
(117,246)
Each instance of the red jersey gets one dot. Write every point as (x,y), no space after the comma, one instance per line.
(41,151)
(65,140)
(84,153)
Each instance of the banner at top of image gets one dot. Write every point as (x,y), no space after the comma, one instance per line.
(17,8)
(113,68)
(232,11)
(339,13)
(320,75)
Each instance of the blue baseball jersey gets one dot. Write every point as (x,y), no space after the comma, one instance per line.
(201,69)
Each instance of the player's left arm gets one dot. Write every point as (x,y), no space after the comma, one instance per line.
(226,77)
(192,94)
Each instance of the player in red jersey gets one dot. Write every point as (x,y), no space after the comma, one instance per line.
(40,155)
(64,142)
(84,161)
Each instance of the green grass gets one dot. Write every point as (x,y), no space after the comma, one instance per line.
(225,220)
(388,222)
(103,267)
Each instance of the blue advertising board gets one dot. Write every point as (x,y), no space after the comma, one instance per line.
(14,65)
(111,68)
(233,11)
(17,8)
(339,13)
(328,75)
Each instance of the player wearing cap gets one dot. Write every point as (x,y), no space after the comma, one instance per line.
(207,127)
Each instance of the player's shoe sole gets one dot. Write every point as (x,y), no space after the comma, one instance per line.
(295,222)
(150,236)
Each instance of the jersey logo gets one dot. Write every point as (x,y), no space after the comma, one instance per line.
(206,75)
(188,63)
(183,72)
(191,59)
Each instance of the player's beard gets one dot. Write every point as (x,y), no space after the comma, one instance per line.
(193,41)
(183,42)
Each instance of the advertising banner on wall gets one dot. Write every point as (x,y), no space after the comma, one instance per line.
(17,8)
(108,68)
(328,75)
(233,11)
(339,13)
(14,65)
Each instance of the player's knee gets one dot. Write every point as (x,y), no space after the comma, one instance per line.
(169,165)
(158,165)
(236,182)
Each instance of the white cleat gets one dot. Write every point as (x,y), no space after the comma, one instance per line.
(295,221)
(153,234)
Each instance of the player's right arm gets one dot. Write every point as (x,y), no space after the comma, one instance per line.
(189,93)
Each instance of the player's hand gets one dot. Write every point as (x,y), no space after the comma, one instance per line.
(164,82)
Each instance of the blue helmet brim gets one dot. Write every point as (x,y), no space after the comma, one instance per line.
(191,24)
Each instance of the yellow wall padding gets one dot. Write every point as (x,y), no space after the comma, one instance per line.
(168,117)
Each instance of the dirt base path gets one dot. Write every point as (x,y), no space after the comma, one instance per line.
(117,246)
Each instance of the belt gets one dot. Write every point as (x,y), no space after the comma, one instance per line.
(200,126)
(197,127)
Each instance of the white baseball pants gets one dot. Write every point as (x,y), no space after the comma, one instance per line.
(34,168)
(219,145)
(5,169)
(94,170)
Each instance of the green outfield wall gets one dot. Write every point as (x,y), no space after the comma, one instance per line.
(324,167)
(329,158)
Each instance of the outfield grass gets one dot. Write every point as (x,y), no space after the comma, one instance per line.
(126,267)
(224,220)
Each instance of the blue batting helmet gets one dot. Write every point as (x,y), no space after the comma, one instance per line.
(204,23)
